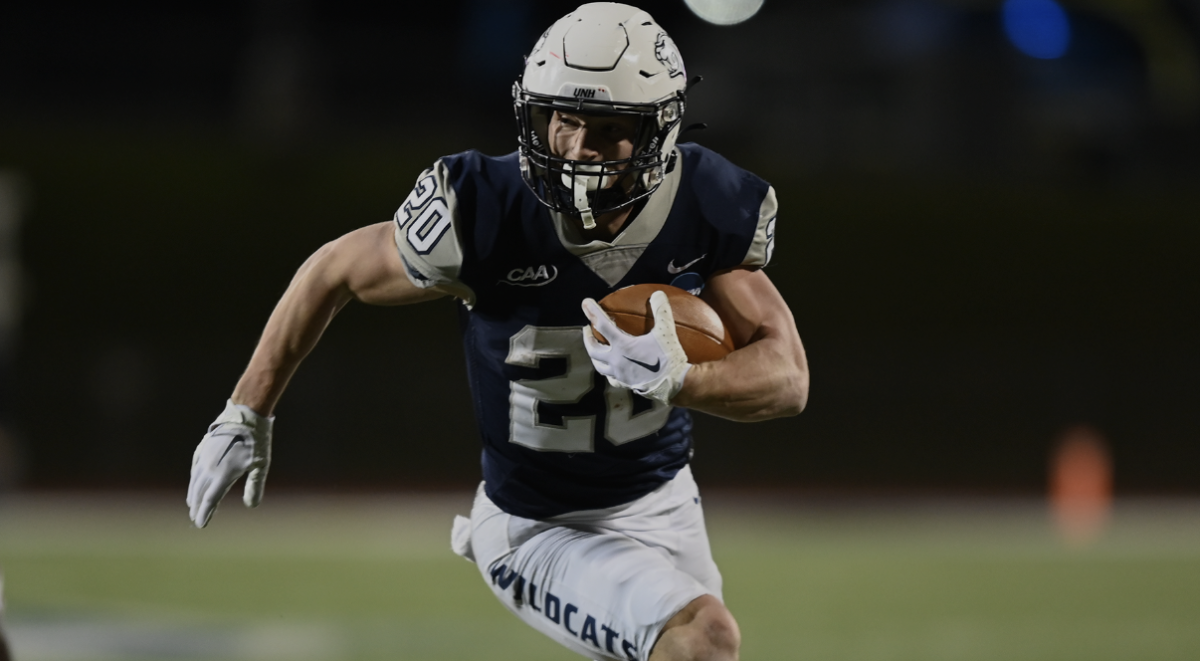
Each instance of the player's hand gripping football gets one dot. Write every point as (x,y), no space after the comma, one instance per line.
(237,442)
(652,365)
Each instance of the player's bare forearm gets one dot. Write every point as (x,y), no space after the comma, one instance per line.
(362,265)
(763,380)
(767,377)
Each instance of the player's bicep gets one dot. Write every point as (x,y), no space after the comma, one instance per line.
(372,270)
(749,304)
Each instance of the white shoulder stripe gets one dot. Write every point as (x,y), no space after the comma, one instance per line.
(763,246)
(427,234)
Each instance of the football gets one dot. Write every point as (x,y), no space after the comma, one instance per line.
(701,332)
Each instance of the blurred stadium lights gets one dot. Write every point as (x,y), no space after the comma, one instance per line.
(1038,28)
(1170,49)
(724,12)
(1042,29)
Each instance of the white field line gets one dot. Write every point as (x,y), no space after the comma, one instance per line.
(116,640)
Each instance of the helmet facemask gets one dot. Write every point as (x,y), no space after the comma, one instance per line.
(592,188)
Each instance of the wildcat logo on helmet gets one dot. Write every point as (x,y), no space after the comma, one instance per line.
(531,276)
(540,42)
(668,54)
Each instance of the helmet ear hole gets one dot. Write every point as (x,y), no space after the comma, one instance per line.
(669,114)
(652,177)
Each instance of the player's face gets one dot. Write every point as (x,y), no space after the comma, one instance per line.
(581,137)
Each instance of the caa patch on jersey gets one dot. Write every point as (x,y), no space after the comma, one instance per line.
(531,276)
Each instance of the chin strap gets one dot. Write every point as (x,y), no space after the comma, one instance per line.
(581,183)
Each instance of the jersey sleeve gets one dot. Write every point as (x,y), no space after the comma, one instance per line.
(428,235)
(762,246)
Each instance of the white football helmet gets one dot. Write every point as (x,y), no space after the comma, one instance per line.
(603,58)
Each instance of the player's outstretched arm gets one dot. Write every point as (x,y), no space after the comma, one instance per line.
(767,377)
(362,265)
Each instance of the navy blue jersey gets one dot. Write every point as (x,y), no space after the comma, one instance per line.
(557,437)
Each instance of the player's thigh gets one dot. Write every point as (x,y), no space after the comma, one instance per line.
(692,552)
(671,519)
(686,536)
(603,595)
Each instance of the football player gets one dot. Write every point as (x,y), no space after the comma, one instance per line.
(587,524)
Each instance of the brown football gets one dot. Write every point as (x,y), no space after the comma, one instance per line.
(701,332)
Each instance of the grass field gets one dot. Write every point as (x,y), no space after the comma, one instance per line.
(339,578)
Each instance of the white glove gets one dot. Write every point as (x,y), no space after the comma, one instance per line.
(239,440)
(652,365)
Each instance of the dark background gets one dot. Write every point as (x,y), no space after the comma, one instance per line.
(981,248)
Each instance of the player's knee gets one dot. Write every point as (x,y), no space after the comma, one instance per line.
(704,631)
(721,633)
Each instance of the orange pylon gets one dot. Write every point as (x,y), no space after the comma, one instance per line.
(1081,485)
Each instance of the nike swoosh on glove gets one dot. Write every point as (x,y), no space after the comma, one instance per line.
(237,442)
(652,365)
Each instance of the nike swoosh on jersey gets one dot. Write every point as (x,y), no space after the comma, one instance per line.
(236,439)
(672,269)
(653,368)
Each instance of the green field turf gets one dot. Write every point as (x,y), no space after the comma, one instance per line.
(310,577)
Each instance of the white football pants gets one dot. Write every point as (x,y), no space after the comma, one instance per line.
(601,582)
